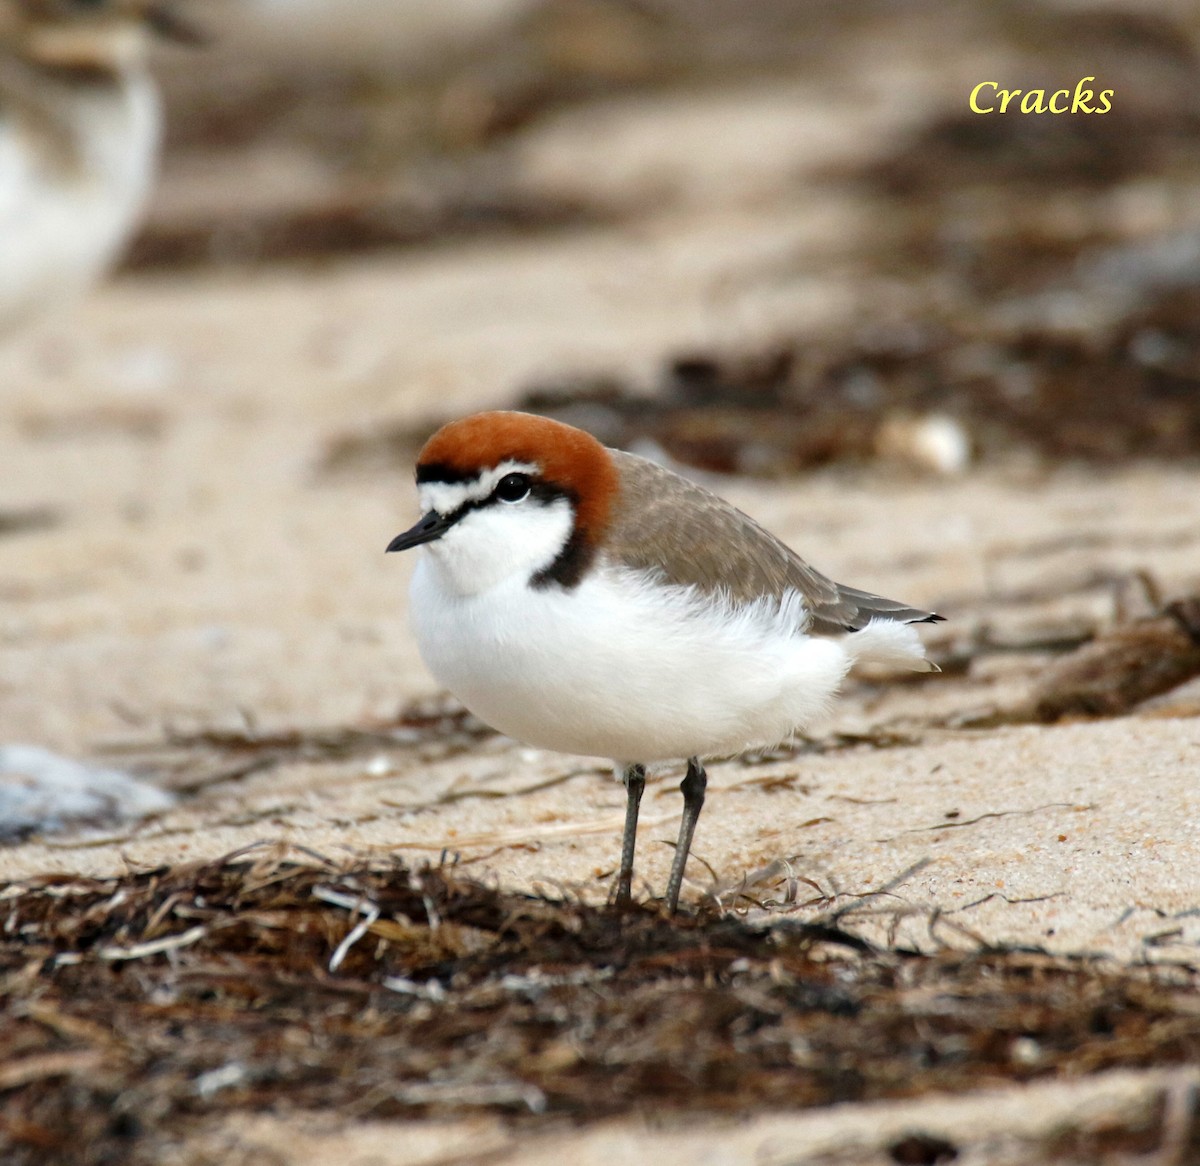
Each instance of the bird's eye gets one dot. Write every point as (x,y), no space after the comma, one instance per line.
(512,487)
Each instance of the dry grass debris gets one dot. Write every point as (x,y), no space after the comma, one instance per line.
(136,1007)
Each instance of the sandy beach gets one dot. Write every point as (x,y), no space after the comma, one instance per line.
(188,583)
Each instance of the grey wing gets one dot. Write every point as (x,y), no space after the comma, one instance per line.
(692,537)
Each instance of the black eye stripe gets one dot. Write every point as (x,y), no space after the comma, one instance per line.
(543,492)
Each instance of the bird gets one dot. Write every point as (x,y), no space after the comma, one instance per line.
(80,126)
(589,601)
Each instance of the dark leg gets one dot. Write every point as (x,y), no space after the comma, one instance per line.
(635,782)
(692,787)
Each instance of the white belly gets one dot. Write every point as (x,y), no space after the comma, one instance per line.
(623,668)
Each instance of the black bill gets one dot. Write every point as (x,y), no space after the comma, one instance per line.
(432,526)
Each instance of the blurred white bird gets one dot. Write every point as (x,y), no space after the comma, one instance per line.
(79,137)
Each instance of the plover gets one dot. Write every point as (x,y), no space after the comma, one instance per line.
(585,600)
(79,136)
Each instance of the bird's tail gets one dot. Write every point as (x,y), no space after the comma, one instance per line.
(888,644)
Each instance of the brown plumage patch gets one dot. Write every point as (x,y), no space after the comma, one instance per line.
(565,456)
(662,522)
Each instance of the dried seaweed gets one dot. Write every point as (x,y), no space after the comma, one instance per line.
(134,1007)
(1124,666)
(788,408)
(189,761)
(350,225)
(1109,673)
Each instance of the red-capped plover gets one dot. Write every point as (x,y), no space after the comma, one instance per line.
(585,600)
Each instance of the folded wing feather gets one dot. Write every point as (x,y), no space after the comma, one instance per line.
(662,522)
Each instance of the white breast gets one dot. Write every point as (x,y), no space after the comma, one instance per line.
(623,667)
(66,211)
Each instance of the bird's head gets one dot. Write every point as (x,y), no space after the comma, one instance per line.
(512,495)
(90,34)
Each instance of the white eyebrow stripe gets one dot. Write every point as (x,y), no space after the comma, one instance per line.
(446,497)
